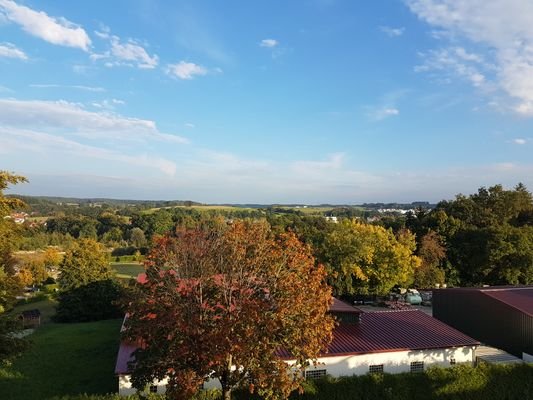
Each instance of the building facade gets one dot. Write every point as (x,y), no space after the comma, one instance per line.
(498,316)
(363,342)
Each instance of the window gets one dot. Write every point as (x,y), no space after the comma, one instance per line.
(315,374)
(153,389)
(452,361)
(417,366)
(375,369)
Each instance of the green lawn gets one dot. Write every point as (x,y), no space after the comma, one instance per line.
(127,270)
(46,307)
(64,359)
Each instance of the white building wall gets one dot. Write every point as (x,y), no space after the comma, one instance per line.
(393,363)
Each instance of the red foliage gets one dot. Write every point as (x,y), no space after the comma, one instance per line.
(221,302)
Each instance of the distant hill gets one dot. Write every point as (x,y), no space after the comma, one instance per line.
(47,204)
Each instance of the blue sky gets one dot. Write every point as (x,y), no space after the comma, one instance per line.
(312,101)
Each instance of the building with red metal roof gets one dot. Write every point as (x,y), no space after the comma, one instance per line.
(363,342)
(500,316)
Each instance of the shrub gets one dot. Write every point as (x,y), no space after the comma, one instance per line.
(92,302)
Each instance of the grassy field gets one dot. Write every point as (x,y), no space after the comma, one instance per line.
(202,208)
(64,359)
(127,270)
(46,307)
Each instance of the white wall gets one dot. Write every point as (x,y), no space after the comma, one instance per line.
(393,363)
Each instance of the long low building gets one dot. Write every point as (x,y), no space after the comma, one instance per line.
(363,342)
(500,316)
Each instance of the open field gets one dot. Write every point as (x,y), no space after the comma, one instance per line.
(308,210)
(127,270)
(202,208)
(64,359)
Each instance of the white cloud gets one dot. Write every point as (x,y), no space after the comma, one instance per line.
(392,32)
(129,53)
(108,104)
(133,52)
(54,30)
(9,50)
(268,43)
(45,143)
(382,113)
(503,29)
(189,125)
(72,119)
(77,87)
(185,70)
(519,141)
(455,60)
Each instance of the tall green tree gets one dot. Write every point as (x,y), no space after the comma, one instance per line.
(10,344)
(487,235)
(86,262)
(368,259)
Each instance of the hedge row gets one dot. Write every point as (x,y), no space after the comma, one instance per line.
(485,382)
(463,382)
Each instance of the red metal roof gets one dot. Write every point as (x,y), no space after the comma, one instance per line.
(342,307)
(520,298)
(388,331)
(378,332)
(124,355)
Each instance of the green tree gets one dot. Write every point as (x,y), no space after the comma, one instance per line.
(487,235)
(10,344)
(137,237)
(91,302)
(365,258)
(86,262)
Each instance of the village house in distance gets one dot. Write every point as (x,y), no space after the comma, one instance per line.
(363,342)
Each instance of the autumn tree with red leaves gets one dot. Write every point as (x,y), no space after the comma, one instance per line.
(220,302)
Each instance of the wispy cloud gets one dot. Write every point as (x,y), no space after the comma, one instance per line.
(9,50)
(55,30)
(268,43)
(392,32)
(502,28)
(383,113)
(519,141)
(57,86)
(108,104)
(185,70)
(40,142)
(454,61)
(73,119)
(129,53)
